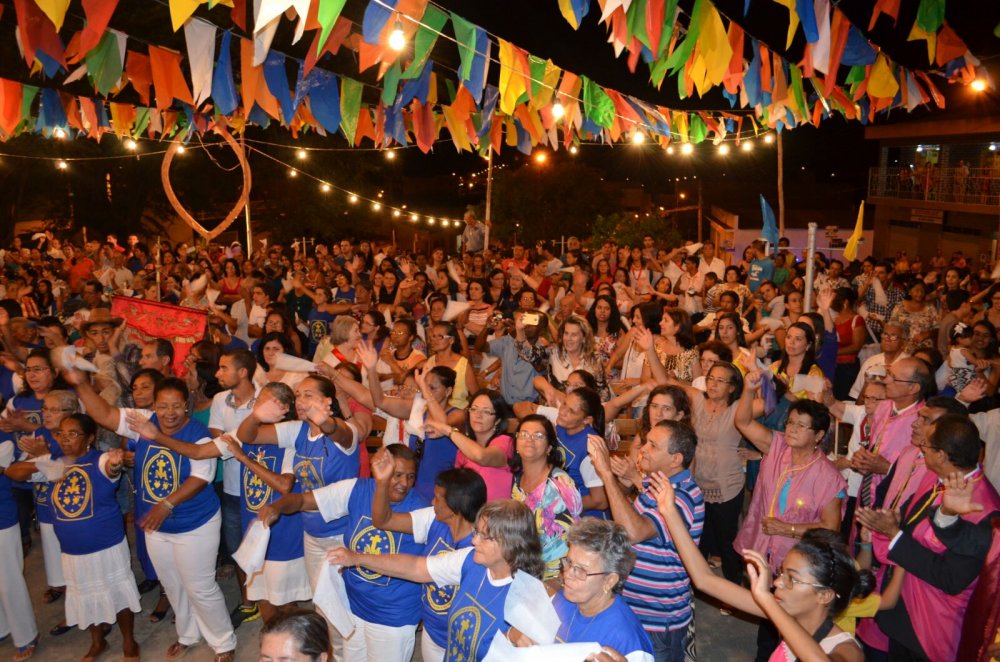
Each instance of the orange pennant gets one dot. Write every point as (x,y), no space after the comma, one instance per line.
(168,79)
(949,46)
(10,105)
(140,74)
(365,128)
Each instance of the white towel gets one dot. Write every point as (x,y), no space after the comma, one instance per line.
(330,597)
(502,650)
(290,363)
(53,470)
(528,607)
(454,309)
(67,357)
(880,298)
(253,550)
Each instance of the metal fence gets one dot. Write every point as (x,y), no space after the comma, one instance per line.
(972,186)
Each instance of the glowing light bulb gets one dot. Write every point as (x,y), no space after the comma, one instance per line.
(59,133)
(430,220)
(293,172)
(376,206)
(769,138)
(301,155)
(62,165)
(325,188)
(131,145)
(978,85)
(396,213)
(541,157)
(723,149)
(397,40)
(390,154)
(687,148)
(414,217)
(558,111)
(181,149)
(352,198)
(638,138)
(574,149)
(747,146)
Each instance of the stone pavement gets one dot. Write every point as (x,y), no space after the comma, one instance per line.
(718,637)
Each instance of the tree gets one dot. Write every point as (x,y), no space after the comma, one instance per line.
(627,230)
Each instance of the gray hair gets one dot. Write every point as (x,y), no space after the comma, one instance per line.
(341,327)
(67,400)
(610,541)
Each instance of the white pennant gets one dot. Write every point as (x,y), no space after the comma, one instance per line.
(200,38)
(821,49)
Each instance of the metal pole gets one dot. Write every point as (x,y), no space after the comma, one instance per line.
(246,208)
(810,267)
(489,196)
(781,187)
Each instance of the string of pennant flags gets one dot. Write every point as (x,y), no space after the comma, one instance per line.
(533,102)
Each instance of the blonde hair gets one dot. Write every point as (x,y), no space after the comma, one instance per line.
(589,349)
(340,329)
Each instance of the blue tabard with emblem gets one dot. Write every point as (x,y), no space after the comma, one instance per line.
(436,600)
(616,627)
(319,328)
(320,462)
(43,502)
(439,455)
(31,407)
(8,509)
(476,614)
(286,534)
(87,518)
(158,472)
(375,597)
(574,450)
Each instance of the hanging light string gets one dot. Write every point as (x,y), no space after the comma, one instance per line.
(397,211)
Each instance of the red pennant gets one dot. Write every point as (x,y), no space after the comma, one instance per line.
(424,126)
(765,69)
(37,33)
(72,109)
(140,74)
(887,7)
(838,40)
(98,15)
(379,124)
(341,29)
(10,105)
(654,24)
(239,14)
(949,46)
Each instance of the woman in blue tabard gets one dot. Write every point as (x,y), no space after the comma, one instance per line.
(320,317)
(505,542)
(21,417)
(385,610)
(580,415)
(434,454)
(180,518)
(444,527)
(326,451)
(268,472)
(589,605)
(100,586)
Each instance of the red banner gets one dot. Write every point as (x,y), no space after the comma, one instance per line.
(145,320)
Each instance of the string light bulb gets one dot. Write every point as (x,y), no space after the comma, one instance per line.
(414,217)
(746,146)
(638,137)
(352,198)
(292,172)
(390,155)
(723,149)
(131,145)
(430,220)
(397,40)
(301,155)
(978,85)
(541,157)
(376,206)
(558,111)
(687,148)
(181,149)
(670,149)
(325,188)
(573,149)
(769,138)
(62,165)
(396,213)
(59,133)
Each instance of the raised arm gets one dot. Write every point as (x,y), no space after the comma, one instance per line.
(403,566)
(697,567)
(383,516)
(645,341)
(639,527)
(486,456)
(398,407)
(106,415)
(754,432)
(144,427)
(281,483)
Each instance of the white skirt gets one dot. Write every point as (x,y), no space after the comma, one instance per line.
(280,582)
(99,585)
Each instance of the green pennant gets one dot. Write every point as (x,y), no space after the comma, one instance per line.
(390,84)
(465,35)
(856,74)
(141,121)
(28,120)
(537,67)
(657,71)
(696,128)
(669,25)
(350,105)
(637,22)
(682,92)
(104,64)
(797,93)
(682,53)
(327,15)
(597,105)
(431,24)
(996,31)
(930,15)
(450,86)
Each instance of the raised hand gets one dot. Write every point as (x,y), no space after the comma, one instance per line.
(663,490)
(142,426)
(759,573)
(974,391)
(626,470)
(599,455)
(367,354)
(643,338)
(317,415)
(269,410)
(382,465)
(958,496)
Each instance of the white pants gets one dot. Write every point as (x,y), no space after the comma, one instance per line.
(315,555)
(16,614)
(52,553)
(185,564)
(379,643)
(429,651)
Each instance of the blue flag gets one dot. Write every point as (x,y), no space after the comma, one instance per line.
(770,231)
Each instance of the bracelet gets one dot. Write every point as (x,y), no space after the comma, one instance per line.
(865,545)
(169,506)
(793,530)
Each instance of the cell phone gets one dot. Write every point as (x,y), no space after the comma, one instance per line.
(530,319)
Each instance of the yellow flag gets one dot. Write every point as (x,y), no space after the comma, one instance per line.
(511,80)
(882,84)
(851,250)
(55,10)
(917,33)
(713,45)
(793,20)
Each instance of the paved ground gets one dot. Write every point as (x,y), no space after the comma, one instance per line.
(718,637)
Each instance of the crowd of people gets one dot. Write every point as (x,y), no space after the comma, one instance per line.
(626,424)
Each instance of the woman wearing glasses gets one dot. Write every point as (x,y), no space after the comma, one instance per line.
(813,584)
(504,543)
(545,488)
(590,606)
(483,444)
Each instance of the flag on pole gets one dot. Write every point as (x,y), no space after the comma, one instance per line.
(770,231)
(851,250)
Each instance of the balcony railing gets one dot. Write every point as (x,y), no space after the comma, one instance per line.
(969,186)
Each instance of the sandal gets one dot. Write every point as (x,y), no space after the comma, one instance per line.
(25,652)
(60,630)
(52,594)
(177,649)
(157,616)
(228,656)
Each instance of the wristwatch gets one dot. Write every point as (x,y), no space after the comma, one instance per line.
(452,431)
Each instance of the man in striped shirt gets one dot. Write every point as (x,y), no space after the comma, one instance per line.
(658,590)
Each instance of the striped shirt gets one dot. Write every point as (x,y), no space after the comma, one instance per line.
(659,589)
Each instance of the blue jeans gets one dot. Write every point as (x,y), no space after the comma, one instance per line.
(669,646)
(232,526)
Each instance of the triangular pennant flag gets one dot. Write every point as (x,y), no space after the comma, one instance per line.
(140,74)
(168,80)
(334,40)
(181,11)
(277,83)
(350,102)
(55,10)
(324,100)
(223,86)
(770,229)
(597,105)
(851,249)
(423,41)
(200,39)
(36,32)
(377,14)
(328,13)
(104,64)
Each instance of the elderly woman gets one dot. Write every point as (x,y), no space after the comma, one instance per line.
(503,544)
(95,556)
(342,343)
(590,606)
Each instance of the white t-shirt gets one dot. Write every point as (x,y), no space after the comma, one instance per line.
(877,361)
(227,418)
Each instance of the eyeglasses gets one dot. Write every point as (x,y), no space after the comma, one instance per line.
(55,410)
(72,435)
(717,380)
(482,536)
(799,425)
(791,582)
(894,378)
(577,571)
(534,436)
(891,336)
(482,410)
(38,368)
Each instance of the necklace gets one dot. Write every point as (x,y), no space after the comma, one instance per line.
(587,621)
